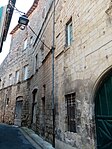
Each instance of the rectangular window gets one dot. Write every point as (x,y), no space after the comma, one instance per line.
(43,116)
(31,40)
(69,33)
(0,83)
(34,106)
(71,108)
(17,77)
(42,51)
(25,72)
(7,101)
(3,83)
(25,44)
(10,79)
(36,62)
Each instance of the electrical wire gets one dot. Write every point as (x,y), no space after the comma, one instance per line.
(20,12)
(39,38)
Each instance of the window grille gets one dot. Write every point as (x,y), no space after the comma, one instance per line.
(71,111)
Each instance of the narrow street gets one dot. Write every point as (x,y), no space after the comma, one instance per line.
(12,138)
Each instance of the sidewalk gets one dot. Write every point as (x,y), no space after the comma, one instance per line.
(35,139)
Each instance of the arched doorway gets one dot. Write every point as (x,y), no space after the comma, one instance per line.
(18,111)
(34,106)
(103,112)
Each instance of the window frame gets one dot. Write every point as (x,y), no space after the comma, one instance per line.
(42,49)
(17,75)
(0,82)
(10,79)
(37,62)
(31,40)
(25,43)
(71,116)
(7,101)
(69,32)
(25,72)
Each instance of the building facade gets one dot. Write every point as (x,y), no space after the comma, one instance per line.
(82,74)
(6,13)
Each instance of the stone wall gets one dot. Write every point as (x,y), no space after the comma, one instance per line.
(78,68)
(7,109)
(19,57)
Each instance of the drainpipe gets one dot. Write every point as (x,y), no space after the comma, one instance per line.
(53,49)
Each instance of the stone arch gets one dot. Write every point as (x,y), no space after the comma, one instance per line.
(35,89)
(100,75)
(102,93)
(99,79)
(19,98)
(34,105)
(96,79)
(18,110)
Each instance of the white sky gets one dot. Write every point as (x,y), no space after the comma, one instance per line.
(22,5)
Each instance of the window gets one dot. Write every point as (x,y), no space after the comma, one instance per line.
(42,51)
(17,76)
(36,62)
(31,40)
(71,108)
(7,101)
(43,13)
(25,44)
(0,82)
(25,72)
(69,33)
(43,90)
(43,116)
(10,79)
(34,106)
(43,110)
(3,82)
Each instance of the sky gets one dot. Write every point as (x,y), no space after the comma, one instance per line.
(22,7)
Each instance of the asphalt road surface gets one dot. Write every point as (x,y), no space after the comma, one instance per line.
(12,138)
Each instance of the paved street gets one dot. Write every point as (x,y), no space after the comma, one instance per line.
(12,138)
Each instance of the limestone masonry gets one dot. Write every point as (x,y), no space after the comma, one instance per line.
(83,59)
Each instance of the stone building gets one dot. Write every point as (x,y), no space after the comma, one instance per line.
(6,13)
(82,73)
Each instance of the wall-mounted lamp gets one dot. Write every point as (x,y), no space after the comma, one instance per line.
(23,20)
